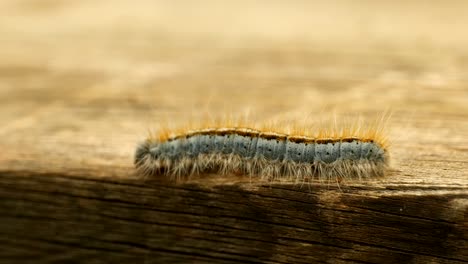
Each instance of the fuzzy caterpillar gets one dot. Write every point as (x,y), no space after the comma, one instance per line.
(358,154)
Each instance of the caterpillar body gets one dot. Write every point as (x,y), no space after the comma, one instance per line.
(270,155)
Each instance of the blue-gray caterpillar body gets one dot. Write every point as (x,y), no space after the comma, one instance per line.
(268,155)
(256,153)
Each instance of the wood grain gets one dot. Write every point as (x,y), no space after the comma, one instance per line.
(85,219)
(81,83)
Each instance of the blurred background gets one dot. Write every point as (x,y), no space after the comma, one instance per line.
(82,81)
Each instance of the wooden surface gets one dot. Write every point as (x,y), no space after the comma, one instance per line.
(82,82)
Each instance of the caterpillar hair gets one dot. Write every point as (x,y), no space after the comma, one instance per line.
(352,152)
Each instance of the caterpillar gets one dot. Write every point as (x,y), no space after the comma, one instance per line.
(348,153)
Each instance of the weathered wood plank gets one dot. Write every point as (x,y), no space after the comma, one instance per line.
(53,218)
(80,84)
